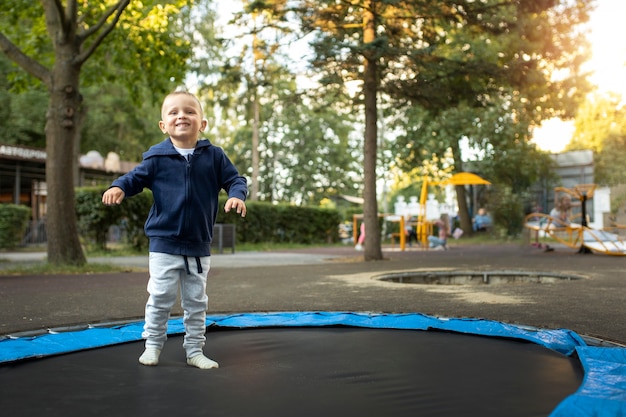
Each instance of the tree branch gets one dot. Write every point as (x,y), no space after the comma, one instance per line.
(70,16)
(55,18)
(59,8)
(28,64)
(93,29)
(105,28)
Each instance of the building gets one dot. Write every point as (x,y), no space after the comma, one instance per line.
(23,175)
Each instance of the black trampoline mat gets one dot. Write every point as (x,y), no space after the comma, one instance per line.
(317,371)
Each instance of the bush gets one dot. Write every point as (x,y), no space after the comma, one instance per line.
(264,222)
(95,219)
(13,223)
(507,210)
(283,223)
(135,211)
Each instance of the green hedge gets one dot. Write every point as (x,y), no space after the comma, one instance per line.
(13,223)
(264,222)
(95,219)
(283,223)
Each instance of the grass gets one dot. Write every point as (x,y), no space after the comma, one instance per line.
(44,268)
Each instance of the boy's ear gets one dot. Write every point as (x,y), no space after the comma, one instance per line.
(203,125)
(162,127)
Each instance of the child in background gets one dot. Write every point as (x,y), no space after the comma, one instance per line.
(441,240)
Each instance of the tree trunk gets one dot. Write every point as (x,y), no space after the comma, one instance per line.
(461,195)
(464,218)
(254,181)
(62,133)
(373,249)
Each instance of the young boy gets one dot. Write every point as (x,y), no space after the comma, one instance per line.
(185,175)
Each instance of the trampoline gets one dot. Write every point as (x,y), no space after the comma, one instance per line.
(317,363)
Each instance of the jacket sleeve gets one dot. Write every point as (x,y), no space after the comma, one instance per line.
(135,181)
(234,184)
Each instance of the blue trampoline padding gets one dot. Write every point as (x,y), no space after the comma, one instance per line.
(561,340)
(602,393)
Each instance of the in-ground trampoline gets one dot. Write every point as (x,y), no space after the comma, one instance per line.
(316,363)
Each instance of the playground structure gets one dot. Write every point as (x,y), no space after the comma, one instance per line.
(386,217)
(424,226)
(573,234)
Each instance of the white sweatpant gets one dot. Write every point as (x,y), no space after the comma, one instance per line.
(167,274)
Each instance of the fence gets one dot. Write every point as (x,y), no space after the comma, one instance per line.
(223,237)
(35,233)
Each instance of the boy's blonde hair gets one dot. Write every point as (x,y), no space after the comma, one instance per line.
(184,93)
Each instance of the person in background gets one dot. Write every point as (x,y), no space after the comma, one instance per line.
(361,240)
(482,221)
(441,240)
(562,210)
(409,232)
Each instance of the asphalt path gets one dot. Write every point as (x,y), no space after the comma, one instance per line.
(590,302)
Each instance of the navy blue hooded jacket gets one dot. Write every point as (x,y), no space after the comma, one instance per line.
(185,195)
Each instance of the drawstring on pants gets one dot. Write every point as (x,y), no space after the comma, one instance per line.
(198,265)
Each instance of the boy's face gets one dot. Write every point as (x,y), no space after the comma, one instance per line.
(181,117)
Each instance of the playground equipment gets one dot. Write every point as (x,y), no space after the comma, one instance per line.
(424,227)
(576,235)
(386,217)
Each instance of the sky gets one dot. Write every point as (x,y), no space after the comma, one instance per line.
(608,61)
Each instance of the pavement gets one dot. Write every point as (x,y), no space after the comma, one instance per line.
(588,296)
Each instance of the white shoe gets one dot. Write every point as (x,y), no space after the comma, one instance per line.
(358,247)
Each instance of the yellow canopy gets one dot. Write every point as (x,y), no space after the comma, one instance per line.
(465,178)
(461,178)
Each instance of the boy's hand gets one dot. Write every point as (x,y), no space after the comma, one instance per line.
(113,195)
(235,203)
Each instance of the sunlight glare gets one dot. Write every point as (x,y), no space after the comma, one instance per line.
(608,63)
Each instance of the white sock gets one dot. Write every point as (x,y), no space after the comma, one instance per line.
(202,362)
(150,357)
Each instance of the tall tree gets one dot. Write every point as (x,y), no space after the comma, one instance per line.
(349,48)
(52,43)
(264,32)
(371,55)
(441,55)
